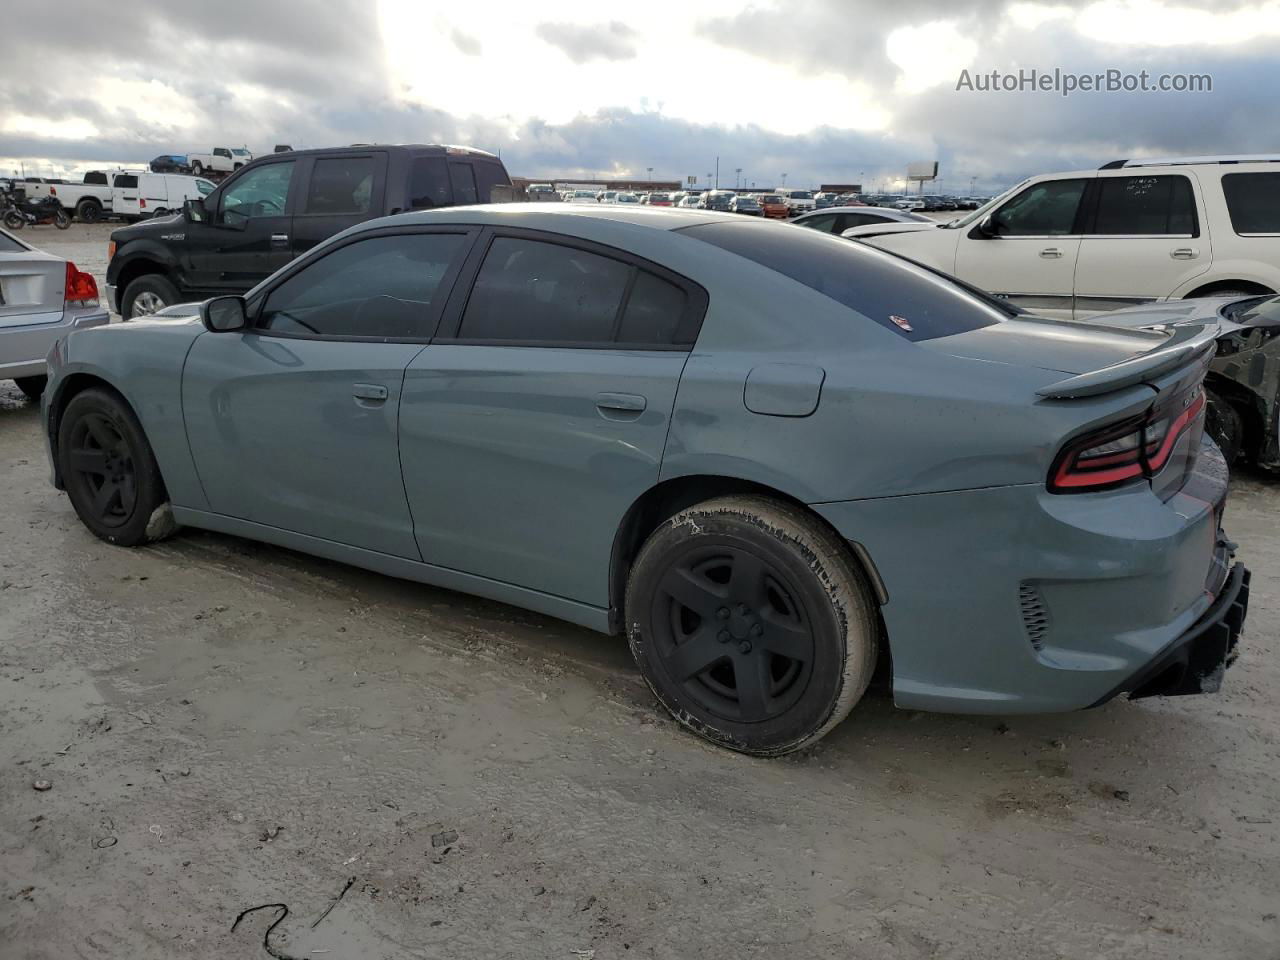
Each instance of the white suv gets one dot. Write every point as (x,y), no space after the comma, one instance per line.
(1072,245)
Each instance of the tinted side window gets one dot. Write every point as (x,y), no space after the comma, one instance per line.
(535,291)
(824,223)
(463,180)
(1253,201)
(1043,209)
(96,177)
(1145,205)
(653,311)
(127,180)
(488,175)
(380,287)
(429,184)
(341,185)
(873,283)
(263,192)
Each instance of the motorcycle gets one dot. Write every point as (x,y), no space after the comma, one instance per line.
(22,212)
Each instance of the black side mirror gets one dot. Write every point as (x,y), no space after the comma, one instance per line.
(988,227)
(193,211)
(223,314)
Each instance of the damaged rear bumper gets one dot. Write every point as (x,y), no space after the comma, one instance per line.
(1197,659)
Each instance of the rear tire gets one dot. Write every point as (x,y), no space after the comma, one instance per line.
(62,220)
(110,472)
(33,387)
(147,294)
(197,169)
(750,624)
(89,211)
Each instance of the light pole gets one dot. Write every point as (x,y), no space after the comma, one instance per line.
(784,179)
(649,172)
(737,177)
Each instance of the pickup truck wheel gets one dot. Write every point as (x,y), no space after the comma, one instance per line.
(197,169)
(147,294)
(751,624)
(33,387)
(110,472)
(89,211)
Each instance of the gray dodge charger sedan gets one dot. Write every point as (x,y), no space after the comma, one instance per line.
(775,460)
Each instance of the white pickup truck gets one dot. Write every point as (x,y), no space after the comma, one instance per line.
(129,194)
(220,160)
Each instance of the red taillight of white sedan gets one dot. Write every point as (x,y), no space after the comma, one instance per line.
(81,288)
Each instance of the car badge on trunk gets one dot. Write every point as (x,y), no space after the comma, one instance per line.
(900,321)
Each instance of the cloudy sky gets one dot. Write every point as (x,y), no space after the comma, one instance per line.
(822,90)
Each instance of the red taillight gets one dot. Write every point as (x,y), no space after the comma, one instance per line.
(1125,451)
(142,203)
(82,289)
(53,191)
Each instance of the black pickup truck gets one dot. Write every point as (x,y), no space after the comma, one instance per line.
(278,207)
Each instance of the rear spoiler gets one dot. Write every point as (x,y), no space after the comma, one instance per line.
(1188,343)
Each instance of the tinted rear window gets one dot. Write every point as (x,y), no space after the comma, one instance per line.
(429,184)
(871,282)
(488,176)
(1253,200)
(10,245)
(1146,206)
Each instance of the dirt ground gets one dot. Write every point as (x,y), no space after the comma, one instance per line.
(415,773)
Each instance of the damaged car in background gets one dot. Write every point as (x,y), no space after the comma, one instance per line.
(1243,384)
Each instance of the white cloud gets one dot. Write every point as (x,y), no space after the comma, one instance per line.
(929,55)
(1156,24)
(71,128)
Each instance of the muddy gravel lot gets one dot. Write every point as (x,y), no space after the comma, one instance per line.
(400,771)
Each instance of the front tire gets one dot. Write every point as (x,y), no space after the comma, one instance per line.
(89,211)
(110,472)
(14,220)
(33,387)
(147,294)
(62,220)
(751,624)
(197,169)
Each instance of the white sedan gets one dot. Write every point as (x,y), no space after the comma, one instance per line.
(41,298)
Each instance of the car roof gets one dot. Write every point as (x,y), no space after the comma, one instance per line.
(435,149)
(547,215)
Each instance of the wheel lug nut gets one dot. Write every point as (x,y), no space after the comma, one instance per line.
(723,636)
(742,609)
(744,646)
(757,630)
(723,613)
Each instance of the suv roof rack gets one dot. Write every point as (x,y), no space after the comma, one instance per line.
(1183,161)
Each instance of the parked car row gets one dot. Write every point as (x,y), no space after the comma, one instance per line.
(126,194)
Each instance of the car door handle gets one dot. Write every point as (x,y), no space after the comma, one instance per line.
(369,394)
(279,239)
(629,404)
(1184,253)
(1051,253)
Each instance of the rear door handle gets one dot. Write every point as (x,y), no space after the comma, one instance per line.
(369,394)
(279,239)
(1184,253)
(1051,253)
(624,403)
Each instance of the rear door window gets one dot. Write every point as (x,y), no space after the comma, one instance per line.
(126,180)
(382,287)
(463,180)
(341,185)
(826,223)
(429,184)
(532,291)
(1253,202)
(873,283)
(1145,206)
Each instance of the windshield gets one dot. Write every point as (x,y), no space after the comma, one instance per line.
(204,187)
(770,199)
(747,202)
(986,208)
(801,195)
(584,193)
(240,153)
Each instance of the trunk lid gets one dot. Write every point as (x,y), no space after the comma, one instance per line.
(32,286)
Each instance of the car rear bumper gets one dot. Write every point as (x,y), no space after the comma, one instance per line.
(23,349)
(1016,600)
(1196,661)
